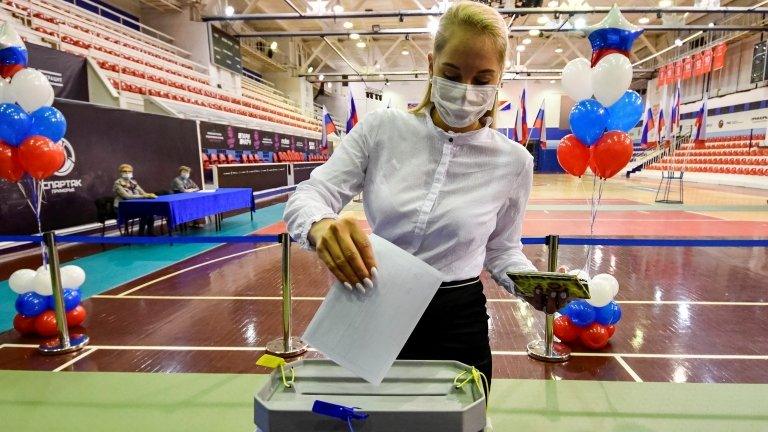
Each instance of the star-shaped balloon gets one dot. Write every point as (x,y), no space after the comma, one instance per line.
(614,34)
(13,52)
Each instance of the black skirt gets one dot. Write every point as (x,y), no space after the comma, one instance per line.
(454,327)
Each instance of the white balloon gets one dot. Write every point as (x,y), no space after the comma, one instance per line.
(72,277)
(31,89)
(6,96)
(21,281)
(600,292)
(612,282)
(611,77)
(577,79)
(41,283)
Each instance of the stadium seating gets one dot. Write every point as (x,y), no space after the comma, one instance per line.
(721,155)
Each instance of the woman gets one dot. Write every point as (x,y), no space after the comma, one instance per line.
(439,183)
(182,183)
(126,188)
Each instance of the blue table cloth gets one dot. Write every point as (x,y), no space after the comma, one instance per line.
(186,207)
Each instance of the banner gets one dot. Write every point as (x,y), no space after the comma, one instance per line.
(215,136)
(718,56)
(156,145)
(698,62)
(66,72)
(678,68)
(257,177)
(286,142)
(300,144)
(687,68)
(662,77)
(312,146)
(706,61)
(302,170)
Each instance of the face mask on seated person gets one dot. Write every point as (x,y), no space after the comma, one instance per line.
(126,176)
(185,175)
(460,105)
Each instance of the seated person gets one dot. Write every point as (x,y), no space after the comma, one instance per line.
(126,188)
(183,183)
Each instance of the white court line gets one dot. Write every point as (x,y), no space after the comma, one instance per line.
(176,273)
(629,370)
(75,360)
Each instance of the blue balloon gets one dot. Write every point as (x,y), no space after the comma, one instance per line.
(71,300)
(30,304)
(624,114)
(609,314)
(48,122)
(588,120)
(14,56)
(14,124)
(581,313)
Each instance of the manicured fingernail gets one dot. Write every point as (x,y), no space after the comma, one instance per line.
(348,285)
(368,283)
(374,272)
(360,287)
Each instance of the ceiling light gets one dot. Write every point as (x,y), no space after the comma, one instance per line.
(507,64)
(321,77)
(553,4)
(381,75)
(329,85)
(579,23)
(678,42)
(521,48)
(542,19)
(361,44)
(377,66)
(665,3)
(432,25)
(354,36)
(273,46)
(338,9)
(551,81)
(229,11)
(348,24)
(404,52)
(558,50)
(644,20)
(534,32)
(310,69)
(711,24)
(526,41)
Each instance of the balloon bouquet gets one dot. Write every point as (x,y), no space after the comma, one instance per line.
(599,142)
(30,131)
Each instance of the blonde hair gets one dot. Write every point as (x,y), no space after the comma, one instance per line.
(483,21)
(124,166)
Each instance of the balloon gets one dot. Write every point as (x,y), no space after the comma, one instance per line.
(30,304)
(611,280)
(595,336)
(577,79)
(41,283)
(611,77)
(76,316)
(611,329)
(71,300)
(572,155)
(25,325)
(612,153)
(14,124)
(588,119)
(10,167)
(600,293)
(613,34)
(12,60)
(21,281)
(72,276)
(45,324)
(624,114)
(5,92)
(581,313)
(31,89)
(48,122)
(565,330)
(609,314)
(40,157)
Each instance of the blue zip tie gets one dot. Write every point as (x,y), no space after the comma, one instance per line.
(341,412)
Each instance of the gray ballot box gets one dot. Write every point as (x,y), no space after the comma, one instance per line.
(416,395)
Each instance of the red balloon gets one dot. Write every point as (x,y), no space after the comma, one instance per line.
(565,329)
(8,71)
(76,316)
(24,325)
(45,324)
(611,153)
(611,329)
(595,336)
(573,155)
(10,167)
(41,157)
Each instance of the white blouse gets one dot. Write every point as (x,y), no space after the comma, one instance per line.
(455,200)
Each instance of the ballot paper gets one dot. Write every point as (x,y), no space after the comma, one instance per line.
(364,333)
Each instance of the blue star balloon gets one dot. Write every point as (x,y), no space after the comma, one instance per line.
(614,34)
(13,52)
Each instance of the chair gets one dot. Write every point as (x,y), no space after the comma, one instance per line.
(105,210)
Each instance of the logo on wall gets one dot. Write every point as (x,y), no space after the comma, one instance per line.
(230,137)
(720,123)
(69,163)
(69,185)
(55,78)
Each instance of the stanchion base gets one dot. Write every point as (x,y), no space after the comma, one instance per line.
(295,347)
(54,346)
(538,350)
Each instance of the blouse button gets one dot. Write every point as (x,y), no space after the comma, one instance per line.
(450,139)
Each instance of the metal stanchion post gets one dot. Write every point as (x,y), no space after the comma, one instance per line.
(64,343)
(547,350)
(287,346)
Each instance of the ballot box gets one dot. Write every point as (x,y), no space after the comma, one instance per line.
(415,395)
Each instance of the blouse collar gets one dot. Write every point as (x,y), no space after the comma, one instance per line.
(460,137)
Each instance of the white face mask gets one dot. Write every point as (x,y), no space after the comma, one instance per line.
(460,105)
(127,176)
(185,175)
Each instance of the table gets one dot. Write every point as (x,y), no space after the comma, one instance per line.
(177,209)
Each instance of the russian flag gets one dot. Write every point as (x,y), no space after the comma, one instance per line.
(662,127)
(352,119)
(515,135)
(328,128)
(674,119)
(505,105)
(647,128)
(521,123)
(538,124)
(701,125)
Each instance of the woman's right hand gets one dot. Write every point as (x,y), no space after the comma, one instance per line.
(345,250)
